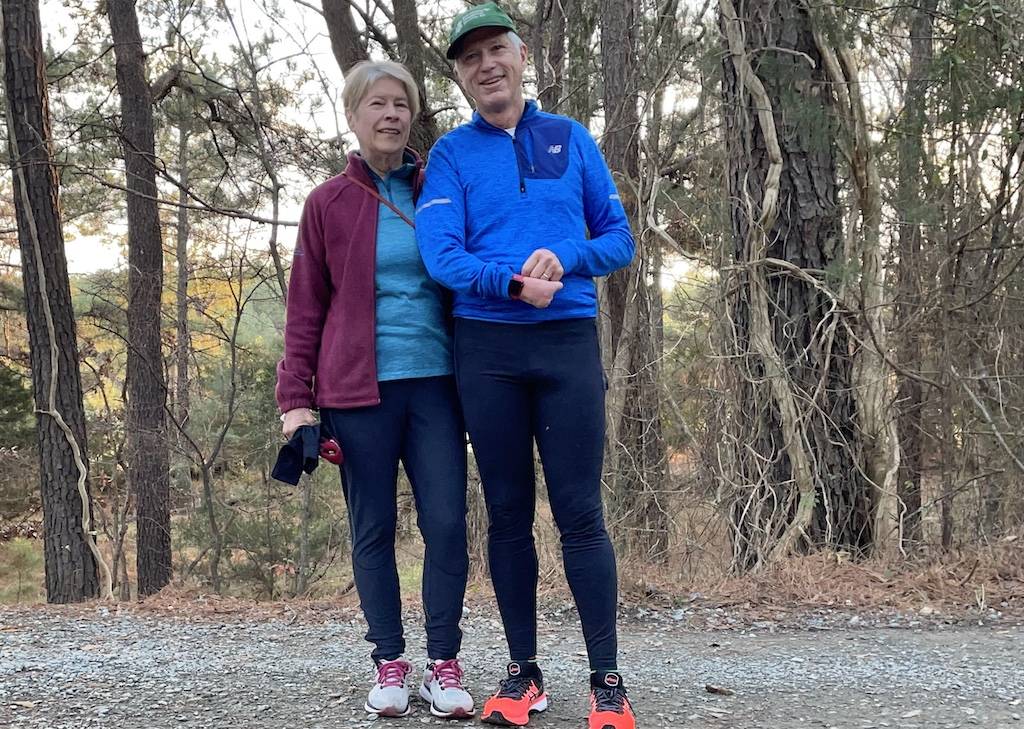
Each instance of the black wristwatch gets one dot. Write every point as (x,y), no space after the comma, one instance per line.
(515,286)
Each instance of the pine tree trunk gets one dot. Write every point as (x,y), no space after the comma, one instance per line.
(578,97)
(911,209)
(549,38)
(424,131)
(794,479)
(346,44)
(635,454)
(146,447)
(70,564)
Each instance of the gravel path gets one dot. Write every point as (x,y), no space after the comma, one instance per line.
(97,667)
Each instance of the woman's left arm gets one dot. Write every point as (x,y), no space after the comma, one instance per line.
(308,301)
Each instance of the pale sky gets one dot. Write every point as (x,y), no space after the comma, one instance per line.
(303,32)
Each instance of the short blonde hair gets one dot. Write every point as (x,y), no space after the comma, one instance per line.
(365,74)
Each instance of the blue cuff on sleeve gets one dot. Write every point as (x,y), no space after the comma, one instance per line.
(568,254)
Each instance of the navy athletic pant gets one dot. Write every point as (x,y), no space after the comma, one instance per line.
(543,382)
(418,423)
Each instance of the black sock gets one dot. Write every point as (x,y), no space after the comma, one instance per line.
(527,669)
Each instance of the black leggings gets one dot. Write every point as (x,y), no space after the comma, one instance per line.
(524,382)
(417,423)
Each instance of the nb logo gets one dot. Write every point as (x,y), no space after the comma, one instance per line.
(554,149)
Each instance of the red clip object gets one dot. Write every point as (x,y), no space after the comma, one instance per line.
(331,451)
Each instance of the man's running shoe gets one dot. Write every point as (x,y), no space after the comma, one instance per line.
(609,706)
(390,693)
(442,689)
(518,696)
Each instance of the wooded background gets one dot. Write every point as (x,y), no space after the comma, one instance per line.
(818,346)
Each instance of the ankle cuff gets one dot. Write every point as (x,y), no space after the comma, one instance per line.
(606,679)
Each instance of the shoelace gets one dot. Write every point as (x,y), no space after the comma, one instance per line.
(610,699)
(448,673)
(514,687)
(392,673)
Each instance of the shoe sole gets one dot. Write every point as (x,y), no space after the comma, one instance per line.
(389,712)
(496,717)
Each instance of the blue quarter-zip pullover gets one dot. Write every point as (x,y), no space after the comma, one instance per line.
(491,199)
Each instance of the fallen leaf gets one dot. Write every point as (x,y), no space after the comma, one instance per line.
(25,704)
(720,690)
(911,714)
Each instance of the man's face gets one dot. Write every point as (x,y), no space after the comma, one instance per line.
(491,68)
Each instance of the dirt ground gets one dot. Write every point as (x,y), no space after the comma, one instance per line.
(285,666)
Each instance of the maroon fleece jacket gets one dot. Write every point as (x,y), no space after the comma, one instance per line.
(329,355)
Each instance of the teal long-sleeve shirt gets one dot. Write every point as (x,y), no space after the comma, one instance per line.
(411,336)
(491,199)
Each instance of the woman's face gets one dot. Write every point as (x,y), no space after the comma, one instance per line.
(381,121)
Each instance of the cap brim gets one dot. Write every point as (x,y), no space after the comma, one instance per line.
(456,45)
(453,49)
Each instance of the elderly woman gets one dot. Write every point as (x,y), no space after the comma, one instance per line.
(367,343)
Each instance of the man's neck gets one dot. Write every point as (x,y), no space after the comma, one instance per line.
(506,118)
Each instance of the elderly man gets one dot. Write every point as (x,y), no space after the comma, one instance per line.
(518,214)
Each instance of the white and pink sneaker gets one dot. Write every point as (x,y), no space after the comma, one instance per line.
(442,689)
(390,693)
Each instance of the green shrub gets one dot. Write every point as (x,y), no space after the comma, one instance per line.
(21,563)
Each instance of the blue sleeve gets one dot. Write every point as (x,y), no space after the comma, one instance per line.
(441,234)
(610,246)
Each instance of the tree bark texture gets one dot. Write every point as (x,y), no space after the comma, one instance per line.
(424,131)
(635,461)
(549,52)
(147,446)
(879,440)
(578,97)
(70,565)
(347,45)
(794,477)
(911,213)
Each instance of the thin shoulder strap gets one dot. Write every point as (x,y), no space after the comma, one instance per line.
(377,195)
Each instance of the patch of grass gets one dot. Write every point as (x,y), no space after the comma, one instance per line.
(22,578)
(410,577)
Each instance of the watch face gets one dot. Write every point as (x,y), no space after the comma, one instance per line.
(515,287)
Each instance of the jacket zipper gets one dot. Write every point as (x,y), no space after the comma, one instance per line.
(519,166)
(373,330)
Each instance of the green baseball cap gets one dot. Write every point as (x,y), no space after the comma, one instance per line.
(487,15)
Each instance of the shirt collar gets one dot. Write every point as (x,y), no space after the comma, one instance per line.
(405,172)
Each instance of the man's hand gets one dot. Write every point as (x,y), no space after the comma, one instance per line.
(295,419)
(544,264)
(538,292)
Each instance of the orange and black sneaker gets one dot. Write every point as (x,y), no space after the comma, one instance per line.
(519,694)
(609,706)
